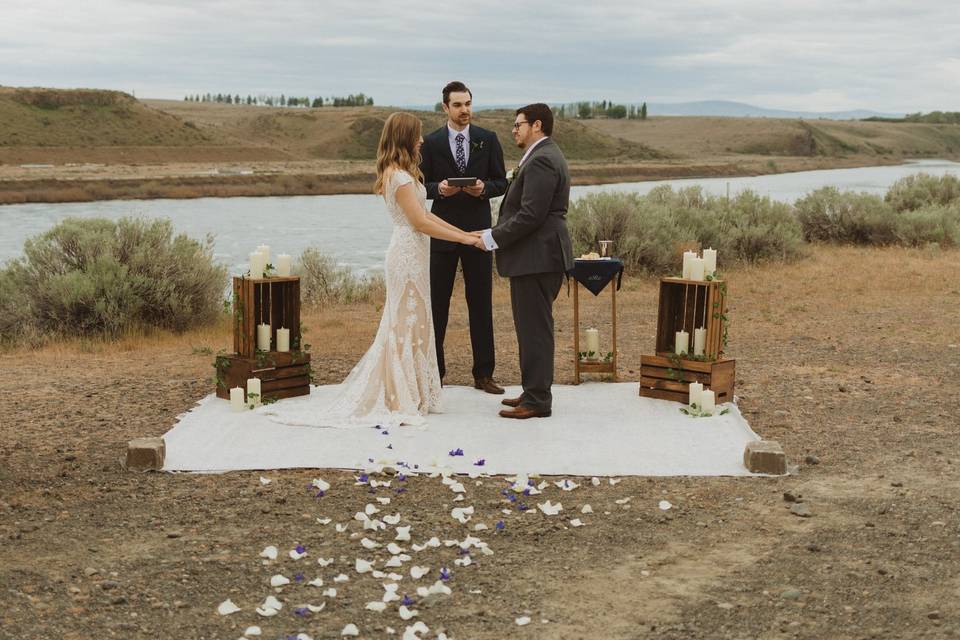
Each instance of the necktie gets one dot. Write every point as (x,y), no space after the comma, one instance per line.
(461,157)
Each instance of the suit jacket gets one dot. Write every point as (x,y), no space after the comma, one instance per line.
(531,233)
(486,163)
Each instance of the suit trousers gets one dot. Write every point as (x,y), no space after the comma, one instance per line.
(531,297)
(478,285)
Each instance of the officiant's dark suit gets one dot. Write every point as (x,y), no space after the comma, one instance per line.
(484,160)
(533,249)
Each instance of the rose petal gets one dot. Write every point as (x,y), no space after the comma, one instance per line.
(392,520)
(314,609)
(320,485)
(614,481)
(403,534)
(316,582)
(418,572)
(376,606)
(330,593)
(269,552)
(586,509)
(267,612)
(405,613)
(395,549)
(272,603)
(367,543)
(595,481)
(370,509)
(227,607)
(341,528)
(363,566)
(350,630)
(323,520)
(265,481)
(324,562)
(522,620)
(279,580)
(341,578)
(253,631)
(550,509)
(576,522)
(664,505)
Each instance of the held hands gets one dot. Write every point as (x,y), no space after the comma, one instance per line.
(473,238)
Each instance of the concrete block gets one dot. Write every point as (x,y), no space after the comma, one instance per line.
(765,456)
(145,454)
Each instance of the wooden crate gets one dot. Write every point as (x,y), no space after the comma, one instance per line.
(686,305)
(282,375)
(274,301)
(660,377)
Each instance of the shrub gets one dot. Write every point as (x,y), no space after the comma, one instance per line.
(323,282)
(830,215)
(648,230)
(931,224)
(922,189)
(101,277)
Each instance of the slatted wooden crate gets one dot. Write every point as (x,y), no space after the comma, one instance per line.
(273,301)
(686,305)
(667,379)
(282,375)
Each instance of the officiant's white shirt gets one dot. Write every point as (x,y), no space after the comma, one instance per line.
(487,236)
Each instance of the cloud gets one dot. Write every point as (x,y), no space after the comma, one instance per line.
(814,55)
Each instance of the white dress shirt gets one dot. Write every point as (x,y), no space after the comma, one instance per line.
(452,136)
(487,236)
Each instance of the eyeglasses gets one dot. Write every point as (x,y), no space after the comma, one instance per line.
(516,125)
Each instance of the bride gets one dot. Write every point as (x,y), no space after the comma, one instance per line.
(397,381)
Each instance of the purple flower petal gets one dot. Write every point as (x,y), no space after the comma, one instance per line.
(302,611)
(401,477)
(500,525)
(298,577)
(407,600)
(480,462)
(445,574)
(300,548)
(522,507)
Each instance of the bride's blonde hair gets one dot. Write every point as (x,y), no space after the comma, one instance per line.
(397,147)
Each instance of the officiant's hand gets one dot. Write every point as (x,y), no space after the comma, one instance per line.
(446,190)
(476,190)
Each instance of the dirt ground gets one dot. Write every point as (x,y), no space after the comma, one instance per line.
(849,358)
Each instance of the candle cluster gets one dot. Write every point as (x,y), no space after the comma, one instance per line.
(698,268)
(260,263)
(681,342)
(702,399)
(253,397)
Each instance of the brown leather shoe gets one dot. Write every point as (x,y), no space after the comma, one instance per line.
(488,385)
(512,402)
(522,413)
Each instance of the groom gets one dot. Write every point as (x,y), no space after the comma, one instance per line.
(460,149)
(534,251)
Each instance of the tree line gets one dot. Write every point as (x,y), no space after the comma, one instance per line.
(358,100)
(586,110)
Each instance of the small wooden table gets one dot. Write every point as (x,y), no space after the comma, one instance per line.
(600,366)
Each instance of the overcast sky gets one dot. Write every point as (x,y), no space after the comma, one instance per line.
(812,55)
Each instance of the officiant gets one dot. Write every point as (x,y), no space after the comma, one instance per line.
(460,149)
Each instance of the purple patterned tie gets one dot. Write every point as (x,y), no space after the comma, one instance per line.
(461,157)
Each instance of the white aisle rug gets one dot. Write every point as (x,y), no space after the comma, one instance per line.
(597,429)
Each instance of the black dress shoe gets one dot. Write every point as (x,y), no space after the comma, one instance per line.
(488,385)
(512,402)
(522,413)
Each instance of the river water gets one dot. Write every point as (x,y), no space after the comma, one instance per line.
(356,228)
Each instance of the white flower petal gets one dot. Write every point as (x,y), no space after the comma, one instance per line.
(330,593)
(566,485)
(418,572)
(227,607)
(279,580)
(320,485)
(439,587)
(465,561)
(360,516)
(323,521)
(405,613)
(614,481)
(350,630)
(480,527)
(367,543)
(392,520)
(370,509)
(315,609)
(253,631)
(433,542)
(374,525)
(324,562)
(576,522)
(586,509)
(403,534)
(295,555)
(376,573)
(550,509)
(303,636)
(624,500)
(376,606)
(395,576)
(341,578)
(664,505)
(269,552)
(423,592)
(394,562)
(341,528)
(456,487)
(383,501)
(595,481)
(394,548)
(522,620)
(363,566)
(316,582)
(265,481)
(266,612)
(459,498)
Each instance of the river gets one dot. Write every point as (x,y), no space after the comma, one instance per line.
(355,228)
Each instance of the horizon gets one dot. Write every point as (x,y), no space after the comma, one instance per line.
(775,54)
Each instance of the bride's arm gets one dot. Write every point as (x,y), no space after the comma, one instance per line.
(443,223)
(420,219)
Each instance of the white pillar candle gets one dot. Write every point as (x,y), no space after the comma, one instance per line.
(681,343)
(593,342)
(696,269)
(696,389)
(283,339)
(699,341)
(709,261)
(707,401)
(236,398)
(253,388)
(256,264)
(283,265)
(265,250)
(263,337)
(687,257)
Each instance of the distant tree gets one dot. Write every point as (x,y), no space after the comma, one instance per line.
(584,110)
(369,101)
(643,111)
(438,107)
(617,111)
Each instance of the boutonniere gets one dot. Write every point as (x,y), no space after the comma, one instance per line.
(512,174)
(476,146)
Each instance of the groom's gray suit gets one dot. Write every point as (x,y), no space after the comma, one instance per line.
(534,251)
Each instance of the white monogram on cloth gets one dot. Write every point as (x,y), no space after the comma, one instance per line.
(461,156)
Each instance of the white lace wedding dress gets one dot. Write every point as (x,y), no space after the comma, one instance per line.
(397,381)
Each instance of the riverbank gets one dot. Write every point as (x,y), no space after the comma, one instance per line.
(87,182)
(853,375)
